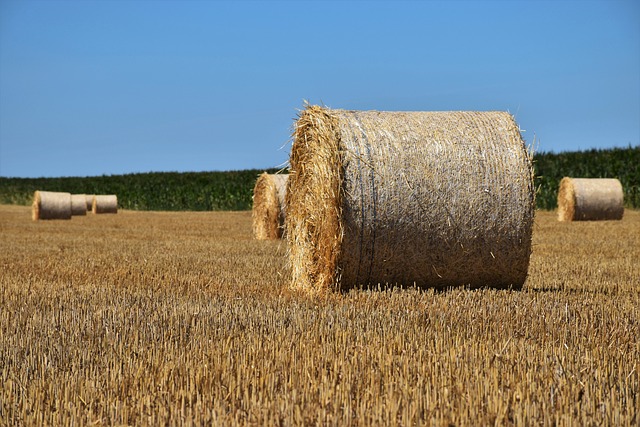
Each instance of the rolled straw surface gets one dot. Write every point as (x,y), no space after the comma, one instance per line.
(103,204)
(78,204)
(268,206)
(51,205)
(590,199)
(433,199)
(89,199)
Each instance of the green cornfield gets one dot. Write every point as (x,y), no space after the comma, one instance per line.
(214,191)
(620,163)
(155,191)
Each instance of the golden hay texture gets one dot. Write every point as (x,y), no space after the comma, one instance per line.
(433,198)
(590,199)
(89,201)
(268,206)
(105,204)
(51,205)
(78,204)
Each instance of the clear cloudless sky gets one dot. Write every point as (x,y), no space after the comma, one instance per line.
(121,86)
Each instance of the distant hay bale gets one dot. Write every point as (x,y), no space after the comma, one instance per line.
(434,199)
(590,199)
(104,204)
(89,200)
(78,204)
(268,206)
(51,205)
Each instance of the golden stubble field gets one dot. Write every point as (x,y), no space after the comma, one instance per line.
(157,318)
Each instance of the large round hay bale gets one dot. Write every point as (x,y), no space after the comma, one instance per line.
(51,205)
(89,200)
(78,204)
(268,206)
(590,199)
(434,199)
(103,204)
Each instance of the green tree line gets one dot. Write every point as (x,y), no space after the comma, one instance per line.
(233,190)
(166,191)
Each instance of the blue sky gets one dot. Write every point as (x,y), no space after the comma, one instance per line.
(122,86)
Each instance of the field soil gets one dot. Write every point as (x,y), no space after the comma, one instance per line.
(182,318)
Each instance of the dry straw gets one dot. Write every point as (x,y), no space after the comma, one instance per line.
(268,206)
(51,205)
(590,199)
(78,204)
(89,200)
(434,199)
(103,204)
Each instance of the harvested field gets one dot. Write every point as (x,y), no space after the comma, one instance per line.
(158,318)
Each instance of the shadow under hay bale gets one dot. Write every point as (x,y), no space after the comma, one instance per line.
(51,205)
(78,204)
(434,199)
(105,204)
(268,206)
(590,199)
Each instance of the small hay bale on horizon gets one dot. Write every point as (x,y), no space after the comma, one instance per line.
(89,201)
(51,205)
(268,211)
(105,204)
(432,199)
(590,199)
(78,204)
